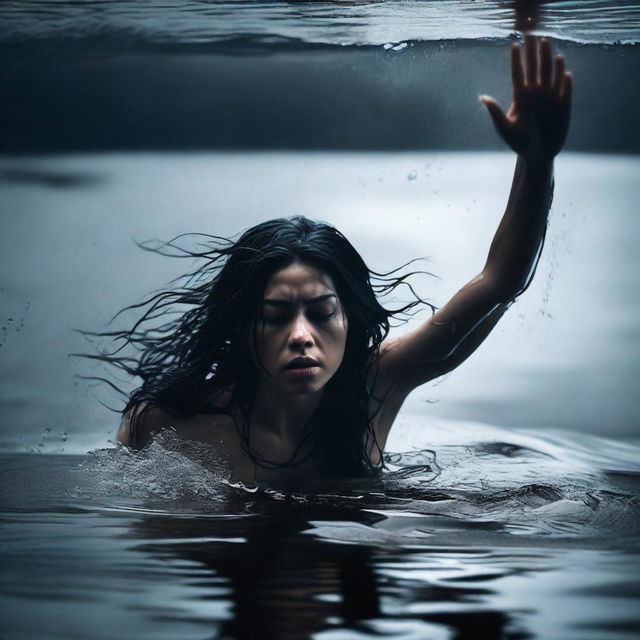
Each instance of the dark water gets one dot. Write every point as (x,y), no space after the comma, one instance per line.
(512,511)
(520,538)
(137,75)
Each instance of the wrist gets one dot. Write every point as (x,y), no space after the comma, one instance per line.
(537,168)
(541,161)
(536,173)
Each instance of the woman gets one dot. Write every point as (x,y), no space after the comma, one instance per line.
(281,361)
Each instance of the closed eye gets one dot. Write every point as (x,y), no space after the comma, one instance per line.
(322,317)
(275,319)
(279,312)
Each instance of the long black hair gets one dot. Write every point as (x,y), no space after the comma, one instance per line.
(193,340)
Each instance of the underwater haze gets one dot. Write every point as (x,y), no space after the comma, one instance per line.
(509,507)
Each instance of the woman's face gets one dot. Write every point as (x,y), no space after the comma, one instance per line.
(301,337)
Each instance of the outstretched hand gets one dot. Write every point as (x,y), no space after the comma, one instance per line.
(537,122)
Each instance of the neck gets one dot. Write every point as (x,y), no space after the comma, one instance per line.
(283,414)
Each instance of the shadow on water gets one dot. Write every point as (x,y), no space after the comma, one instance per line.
(45,178)
(284,584)
(166,548)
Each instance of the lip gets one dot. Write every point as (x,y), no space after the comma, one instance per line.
(300,373)
(303,364)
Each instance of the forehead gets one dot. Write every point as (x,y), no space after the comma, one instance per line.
(299,280)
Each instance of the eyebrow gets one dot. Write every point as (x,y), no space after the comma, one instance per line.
(287,303)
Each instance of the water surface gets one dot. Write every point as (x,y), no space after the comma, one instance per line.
(500,534)
(510,508)
(198,22)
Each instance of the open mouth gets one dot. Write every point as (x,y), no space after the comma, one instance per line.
(303,363)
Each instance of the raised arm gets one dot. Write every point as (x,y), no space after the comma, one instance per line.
(535,127)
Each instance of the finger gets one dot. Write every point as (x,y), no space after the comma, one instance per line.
(498,116)
(546,63)
(517,74)
(530,61)
(558,73)
(567,88)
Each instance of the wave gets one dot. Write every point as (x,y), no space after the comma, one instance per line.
(518,486)
(243,25)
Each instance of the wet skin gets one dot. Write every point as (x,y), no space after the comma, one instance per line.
(298,344)
(302,334)
(302,316)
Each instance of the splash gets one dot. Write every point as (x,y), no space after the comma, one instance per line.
(515,485)
(169,469)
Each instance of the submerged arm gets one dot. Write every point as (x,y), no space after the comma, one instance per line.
(535,127)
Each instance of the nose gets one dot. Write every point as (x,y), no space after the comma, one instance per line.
(300,337)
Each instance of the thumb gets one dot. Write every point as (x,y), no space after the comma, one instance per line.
(497,114)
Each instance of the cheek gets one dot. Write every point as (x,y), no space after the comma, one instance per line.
(340,341)
(343,346)
(262,348)
(345,330)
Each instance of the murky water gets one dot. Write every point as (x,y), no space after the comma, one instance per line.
(493,533)
(509,509)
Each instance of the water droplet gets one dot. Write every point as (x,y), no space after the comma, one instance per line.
(412,176)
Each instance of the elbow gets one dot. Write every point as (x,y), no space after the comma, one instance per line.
(508,279)
(503,290)
(510,291)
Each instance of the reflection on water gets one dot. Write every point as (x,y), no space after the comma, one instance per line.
(284,585)
(203,22)
(156,545)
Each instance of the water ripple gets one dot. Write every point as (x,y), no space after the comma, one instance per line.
(211,22)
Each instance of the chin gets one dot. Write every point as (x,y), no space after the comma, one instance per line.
(304,388)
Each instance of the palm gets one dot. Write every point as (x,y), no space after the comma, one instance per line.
(537,121)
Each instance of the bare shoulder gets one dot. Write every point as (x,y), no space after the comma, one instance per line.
(142,421)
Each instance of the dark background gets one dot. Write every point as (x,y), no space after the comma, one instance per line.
(110,96)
